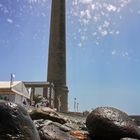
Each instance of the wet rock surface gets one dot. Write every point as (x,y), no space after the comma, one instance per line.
(107,123)
(15,123)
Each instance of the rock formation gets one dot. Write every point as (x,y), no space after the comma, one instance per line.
(103,123)
(107,123)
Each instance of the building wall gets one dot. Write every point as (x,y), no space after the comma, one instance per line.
(20,87)
(45,89)
(39,91)
(8,97)
(18,99)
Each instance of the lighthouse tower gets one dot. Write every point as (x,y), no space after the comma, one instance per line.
(57,55)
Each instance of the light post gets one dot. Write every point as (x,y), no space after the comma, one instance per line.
(77,107)
(74,104)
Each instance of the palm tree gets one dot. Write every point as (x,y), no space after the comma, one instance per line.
(37,99)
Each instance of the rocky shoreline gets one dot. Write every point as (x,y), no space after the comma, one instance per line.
(103,123)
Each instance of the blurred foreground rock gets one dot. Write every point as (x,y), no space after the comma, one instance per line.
(15,123)
(58,130)
(106,123)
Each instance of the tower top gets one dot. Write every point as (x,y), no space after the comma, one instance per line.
(57,44)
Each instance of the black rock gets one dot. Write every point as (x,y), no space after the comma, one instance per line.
(107,123)
(15,123)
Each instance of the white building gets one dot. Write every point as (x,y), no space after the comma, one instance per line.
(15,92)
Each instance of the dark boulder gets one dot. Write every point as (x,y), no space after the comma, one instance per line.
(15,123)
(107,123)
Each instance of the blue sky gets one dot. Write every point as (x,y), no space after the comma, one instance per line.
(103,49)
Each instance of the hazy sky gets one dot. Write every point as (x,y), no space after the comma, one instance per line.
(103,49)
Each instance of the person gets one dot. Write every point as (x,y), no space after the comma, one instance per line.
(5,98)
(47,103)
(33,103)
(24,102)
(1,98)
(37,106)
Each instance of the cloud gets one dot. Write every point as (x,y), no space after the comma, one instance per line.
(85,1)
(117,32)
(80,44)
(37,1)
(1,5)
(111,8)
(113,52)
(120,53)
(86,14)
(106,24)
(139,12)
(125,54)
(104,33)
(96,16)
(9,20)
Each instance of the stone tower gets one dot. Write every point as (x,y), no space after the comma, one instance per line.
(57,55)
